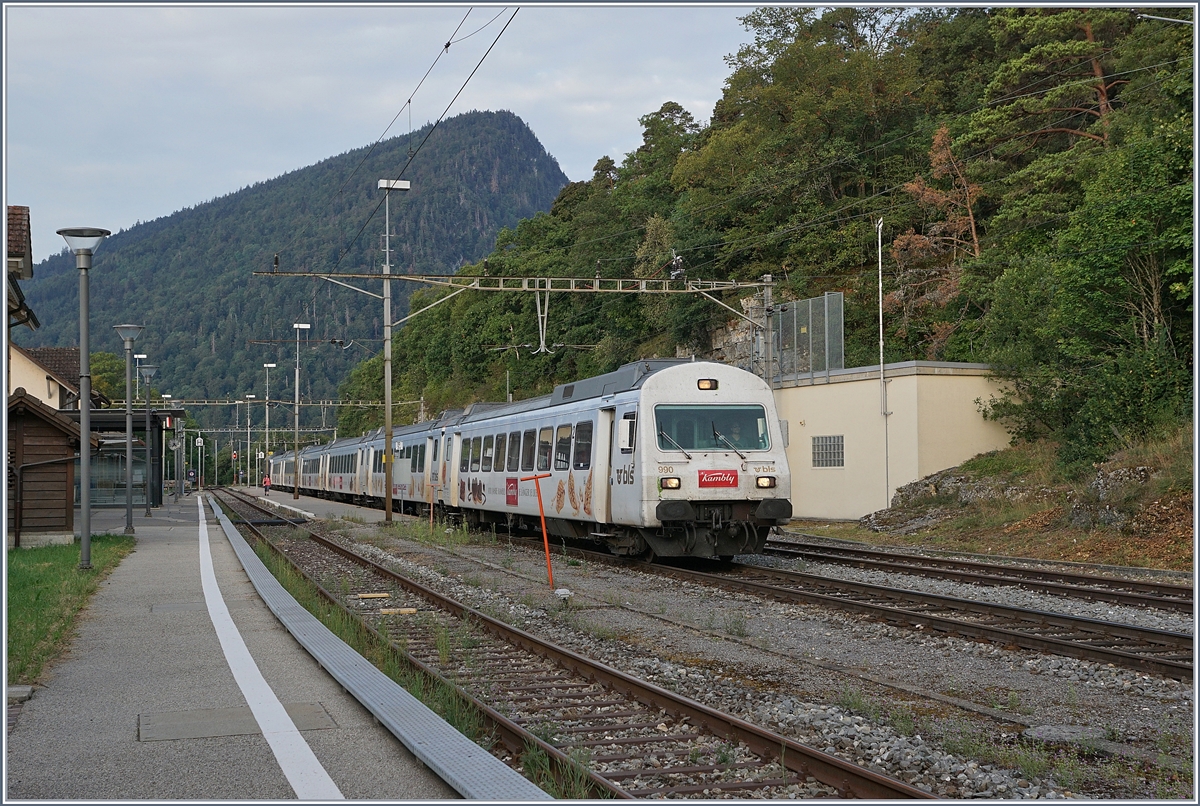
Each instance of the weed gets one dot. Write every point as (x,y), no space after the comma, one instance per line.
(444,644)
(724,754)
(735,624)
(903,721)
(852,700)
(1072,695)
(507,562)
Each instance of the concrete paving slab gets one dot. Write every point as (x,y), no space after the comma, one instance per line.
(204,723)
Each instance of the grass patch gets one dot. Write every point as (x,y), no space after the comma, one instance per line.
(46,592)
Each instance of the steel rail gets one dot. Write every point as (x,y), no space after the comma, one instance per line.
(1167,653)
(1068,584)
(516,739)
(1159,651)
(847,778)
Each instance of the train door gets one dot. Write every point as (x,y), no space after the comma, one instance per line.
(625,490)
(602,487)
(455,442)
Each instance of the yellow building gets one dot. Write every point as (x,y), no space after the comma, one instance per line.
(847,458)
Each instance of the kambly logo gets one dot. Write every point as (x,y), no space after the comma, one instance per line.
(510,492)
(718,478)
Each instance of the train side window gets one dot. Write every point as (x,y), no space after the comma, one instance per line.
(436,442)
(562,448)
(514,451)
(628,431)
(411,451)
(583,446)
(528,448)
(486,466)
(544,444)
(499,465)
(476,450)
(466,455)
(420,458)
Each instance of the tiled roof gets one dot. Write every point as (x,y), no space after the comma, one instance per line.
(62,361)
(19,243)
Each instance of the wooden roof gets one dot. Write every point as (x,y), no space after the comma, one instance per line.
(21,402)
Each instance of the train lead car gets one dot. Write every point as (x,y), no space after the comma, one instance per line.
(671,457)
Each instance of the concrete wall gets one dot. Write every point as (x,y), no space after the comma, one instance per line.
(933,424)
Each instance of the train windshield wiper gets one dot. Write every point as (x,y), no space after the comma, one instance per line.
(667,436)
(721,437)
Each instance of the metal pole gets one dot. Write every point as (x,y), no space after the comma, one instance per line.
(882,384)
(83,262)
(388,457)
(769,336)
(146,474)
(296,435)
(249,478)
(128,437)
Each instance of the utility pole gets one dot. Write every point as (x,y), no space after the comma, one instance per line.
(387,186)
(767,312)
(296,437)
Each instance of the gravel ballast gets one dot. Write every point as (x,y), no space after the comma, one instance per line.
(892,699)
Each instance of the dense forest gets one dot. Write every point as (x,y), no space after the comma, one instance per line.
(1032,169)
(211,324)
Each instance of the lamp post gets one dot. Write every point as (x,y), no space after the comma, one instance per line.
(83,241)
(138,358)
(128,334)
(267,411)
(387,186)
(296,438)
(249,478)
(164,445)
(148,371)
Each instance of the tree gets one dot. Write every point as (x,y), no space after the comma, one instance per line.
(108,375)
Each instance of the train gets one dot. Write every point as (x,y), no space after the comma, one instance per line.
(659,458)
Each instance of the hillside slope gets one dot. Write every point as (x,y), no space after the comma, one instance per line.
(188,276)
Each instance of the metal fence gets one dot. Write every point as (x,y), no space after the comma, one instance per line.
(808,338)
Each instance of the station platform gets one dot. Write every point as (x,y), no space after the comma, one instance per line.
(182,684)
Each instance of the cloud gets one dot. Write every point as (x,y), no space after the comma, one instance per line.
(120,114)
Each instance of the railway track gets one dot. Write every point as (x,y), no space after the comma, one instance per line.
(622,737)
(1057,583)
(1158,651)
(1161,652)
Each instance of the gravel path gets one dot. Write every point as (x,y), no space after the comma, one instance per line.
(941,713)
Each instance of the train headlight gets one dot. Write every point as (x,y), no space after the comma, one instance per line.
(668,483)
(707,384)
(765,482)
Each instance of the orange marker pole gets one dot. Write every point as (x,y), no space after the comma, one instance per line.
(537,485)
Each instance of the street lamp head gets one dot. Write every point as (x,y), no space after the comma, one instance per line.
(394,184)
(148,371)
(301,326)
(140,356)
(83,240)
(249,397)
(128,332)
(269,366)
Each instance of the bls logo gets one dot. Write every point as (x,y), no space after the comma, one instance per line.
(624,475)
(510,492)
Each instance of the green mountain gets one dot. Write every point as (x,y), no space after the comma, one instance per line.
(188,276)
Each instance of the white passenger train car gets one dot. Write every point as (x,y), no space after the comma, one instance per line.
(678,458)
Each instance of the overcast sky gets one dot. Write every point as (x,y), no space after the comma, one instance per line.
(119,114)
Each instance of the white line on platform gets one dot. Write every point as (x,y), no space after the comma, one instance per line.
(304,772)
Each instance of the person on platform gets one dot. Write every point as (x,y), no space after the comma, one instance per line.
(266,485)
